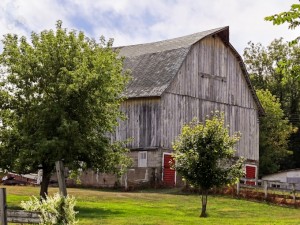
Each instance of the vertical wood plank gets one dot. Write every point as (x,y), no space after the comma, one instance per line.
(3,207)
(60,170)
(266,188)
(238,188)
(294,193)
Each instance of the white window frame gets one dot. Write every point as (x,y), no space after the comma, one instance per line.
(142,159)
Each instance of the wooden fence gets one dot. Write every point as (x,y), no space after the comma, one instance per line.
(268,188)
(21,216)
(15,216)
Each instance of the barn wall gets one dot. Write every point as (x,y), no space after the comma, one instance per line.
(211,79)
(90,178)
(142,123)
(154,165)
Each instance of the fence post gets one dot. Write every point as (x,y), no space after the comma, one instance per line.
(294,193)
(266,188)
(238,188)
(60,170)
(3,207)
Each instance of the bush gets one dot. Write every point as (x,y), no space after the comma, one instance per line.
(55,209)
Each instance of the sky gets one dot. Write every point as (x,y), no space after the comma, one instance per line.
(140,21)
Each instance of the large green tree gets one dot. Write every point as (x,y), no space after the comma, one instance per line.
(205,156)
(59,99)
(276,68)
(274,133)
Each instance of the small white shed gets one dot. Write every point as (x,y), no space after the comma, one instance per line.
(285,179)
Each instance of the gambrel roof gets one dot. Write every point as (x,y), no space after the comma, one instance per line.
(154,65)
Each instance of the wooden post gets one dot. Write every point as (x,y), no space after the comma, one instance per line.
(126,181)
(294,193)
(266,188)
(238,188)
(3,207)
(60,170)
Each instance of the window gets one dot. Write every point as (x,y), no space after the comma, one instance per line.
(142,159)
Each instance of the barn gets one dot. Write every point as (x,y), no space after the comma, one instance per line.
(174,81)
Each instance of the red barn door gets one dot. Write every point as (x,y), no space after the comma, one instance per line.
(168,173)
(250,174)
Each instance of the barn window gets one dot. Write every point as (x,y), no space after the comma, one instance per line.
(142,159)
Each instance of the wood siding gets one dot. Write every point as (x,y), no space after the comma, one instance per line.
(142,123)
(211,79)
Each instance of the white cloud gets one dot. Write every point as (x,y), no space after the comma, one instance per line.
(23,17)
(177,18)
(136,21)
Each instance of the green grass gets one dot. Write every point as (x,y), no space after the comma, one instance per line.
(165,207)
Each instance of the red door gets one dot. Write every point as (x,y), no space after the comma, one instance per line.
(250,174)
(169,174)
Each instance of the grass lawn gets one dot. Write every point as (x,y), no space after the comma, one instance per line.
(165,207)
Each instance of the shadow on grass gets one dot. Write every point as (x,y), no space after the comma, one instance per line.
(93,213)
(164,190)
(15,207)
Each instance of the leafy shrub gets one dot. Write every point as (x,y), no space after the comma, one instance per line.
(54,209)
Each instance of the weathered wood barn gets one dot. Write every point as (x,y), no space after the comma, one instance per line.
(176,80)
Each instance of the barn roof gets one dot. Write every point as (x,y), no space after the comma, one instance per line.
(154,65)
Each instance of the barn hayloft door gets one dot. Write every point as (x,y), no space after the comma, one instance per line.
(168,173)
(250,174)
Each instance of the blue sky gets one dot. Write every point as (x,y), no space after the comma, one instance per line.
(140,21)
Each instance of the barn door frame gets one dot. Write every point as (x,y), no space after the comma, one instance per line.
(163,170)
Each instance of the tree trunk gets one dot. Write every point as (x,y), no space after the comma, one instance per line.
(47,172)
(204,203)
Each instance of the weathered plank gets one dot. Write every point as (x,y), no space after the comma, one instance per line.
(3,207)
(60,170)
(142,123)
(23,220)
(21,216)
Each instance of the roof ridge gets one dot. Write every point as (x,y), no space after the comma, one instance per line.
(176,38)
(169,44)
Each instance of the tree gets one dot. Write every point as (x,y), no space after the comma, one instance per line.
(205,156)
(59,99)
(274,134)
(276,68)
(292,17)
